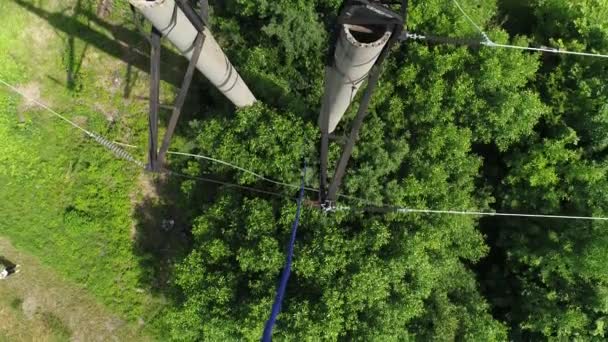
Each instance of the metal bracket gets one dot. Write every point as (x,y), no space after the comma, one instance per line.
(197,20)
(471,42)
(363,12)
(328,206)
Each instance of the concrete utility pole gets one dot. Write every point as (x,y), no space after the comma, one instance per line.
(357,49)
(173,24)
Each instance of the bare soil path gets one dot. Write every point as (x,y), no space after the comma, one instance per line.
(39,305)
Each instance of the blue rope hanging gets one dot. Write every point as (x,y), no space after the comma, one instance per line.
(276,307)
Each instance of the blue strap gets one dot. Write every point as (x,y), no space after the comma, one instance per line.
(276,307)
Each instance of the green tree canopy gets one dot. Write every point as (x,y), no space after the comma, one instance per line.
(449,128)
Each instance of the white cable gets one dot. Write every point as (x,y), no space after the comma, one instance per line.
(481,213)
(98,138)
(215,181)
(123,154)
(133,146)
(485,36)
(198,156)
(46,107)
(257,175)
(488,42)
(549,50)
(123,144)
(398,210)
(478,213)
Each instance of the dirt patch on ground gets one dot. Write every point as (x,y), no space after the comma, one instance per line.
(109,113)
(29,307)
(104,8)
(148,185)
(38,34)
(31,92)
(146,192)
(38,305)
(80,120)
(21,329)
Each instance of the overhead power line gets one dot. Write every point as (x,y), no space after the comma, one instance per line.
(472,42)
(488,42)
(99,139)
(113,146)
(544,49)
(481,31)
(257,175)
(228,184)
(50,110)
(401,210)
(370,207)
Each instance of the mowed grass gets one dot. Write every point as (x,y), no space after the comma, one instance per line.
(39,305)
(64,198)
(15,326)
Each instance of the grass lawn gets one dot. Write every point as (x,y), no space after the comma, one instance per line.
(38,305)
(65,199)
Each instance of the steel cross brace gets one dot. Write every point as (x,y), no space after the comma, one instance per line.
(156,157)
(155,48)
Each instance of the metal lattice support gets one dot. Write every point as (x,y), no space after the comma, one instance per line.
(155,48)
(181,98)
(365,34)
(188,31)
(180,24)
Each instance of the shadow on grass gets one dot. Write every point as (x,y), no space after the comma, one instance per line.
(161,236)
(162,233)
(74,63)
(164,219)
(129,46)
(123,44)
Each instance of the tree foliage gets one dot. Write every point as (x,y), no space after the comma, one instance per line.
(557,290)
(449,128)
